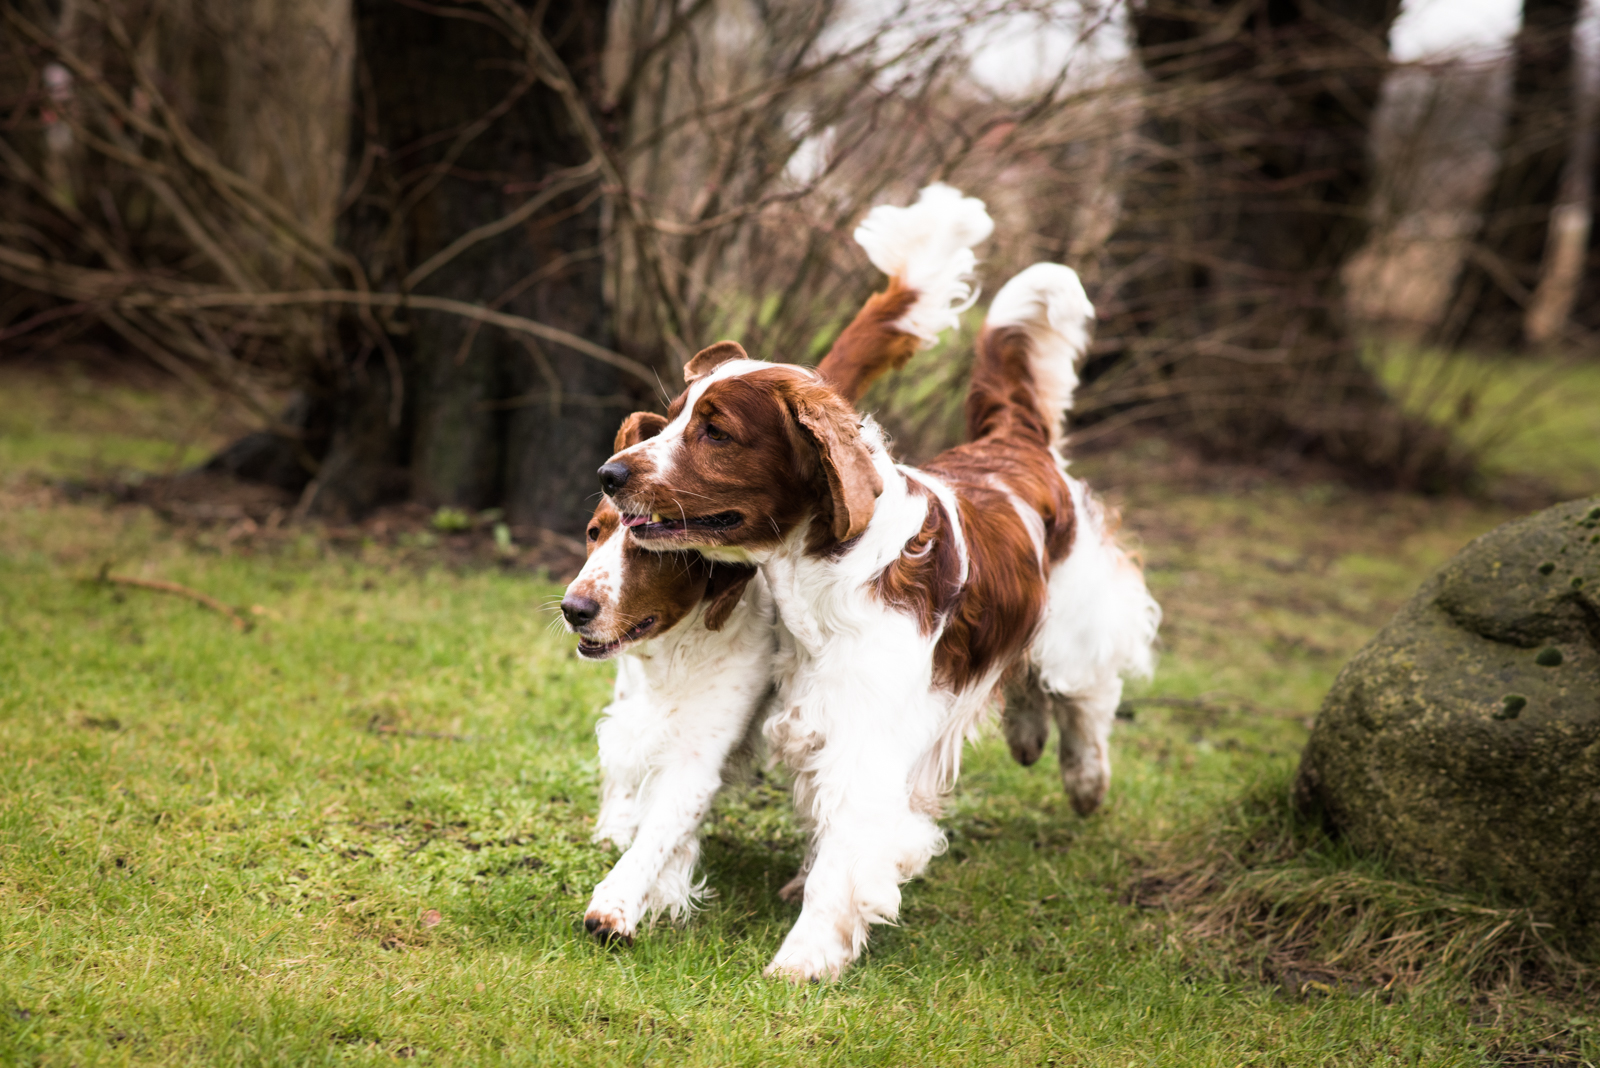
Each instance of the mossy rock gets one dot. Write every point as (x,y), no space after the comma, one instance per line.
(1464,740)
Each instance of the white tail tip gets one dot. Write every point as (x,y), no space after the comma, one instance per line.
(927,246)
(1048,301)
(1046,295)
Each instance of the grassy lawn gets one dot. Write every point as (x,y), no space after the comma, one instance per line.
(1530,418)
(360,831)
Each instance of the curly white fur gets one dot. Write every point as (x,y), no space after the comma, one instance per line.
(683,704)
(927,246)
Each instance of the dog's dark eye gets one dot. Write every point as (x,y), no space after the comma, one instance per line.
(594,533)
(716,433)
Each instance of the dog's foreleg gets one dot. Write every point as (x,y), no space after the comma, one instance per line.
(869,840)
(624,763)
(676,799)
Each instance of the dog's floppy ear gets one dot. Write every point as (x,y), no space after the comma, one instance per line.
(853,481)
(707,359)
(638,427)
(723,589)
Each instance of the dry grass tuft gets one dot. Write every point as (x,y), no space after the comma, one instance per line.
(1295,907)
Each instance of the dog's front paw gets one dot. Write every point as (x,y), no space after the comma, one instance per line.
(810,960)
(609,926)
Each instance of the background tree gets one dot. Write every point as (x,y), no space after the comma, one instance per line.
(1494,290)
(460,129)
(1223,309)
(546,209)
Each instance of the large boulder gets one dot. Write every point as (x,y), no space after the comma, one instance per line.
(1464,740)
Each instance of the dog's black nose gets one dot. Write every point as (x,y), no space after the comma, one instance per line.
(613,476)
(580,611)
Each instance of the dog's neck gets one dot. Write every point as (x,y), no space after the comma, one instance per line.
(819,597)
(671,667)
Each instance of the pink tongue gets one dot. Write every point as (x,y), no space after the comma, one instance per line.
(635,520)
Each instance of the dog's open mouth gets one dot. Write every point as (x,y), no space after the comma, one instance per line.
(657,525)
(592,650)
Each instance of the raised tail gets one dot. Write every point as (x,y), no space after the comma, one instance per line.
(1033,342)
(925,249)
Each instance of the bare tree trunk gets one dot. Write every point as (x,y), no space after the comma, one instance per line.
(1225,313)
(1495,288)
(1584,317)
(455,131)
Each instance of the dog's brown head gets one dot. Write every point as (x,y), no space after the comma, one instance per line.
(626,593)
(745,455)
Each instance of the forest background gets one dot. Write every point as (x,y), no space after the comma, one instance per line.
(316,318)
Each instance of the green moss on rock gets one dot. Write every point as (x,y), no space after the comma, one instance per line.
(1511,706)
(1446,746)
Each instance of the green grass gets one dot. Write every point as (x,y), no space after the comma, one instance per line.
(1526,416)
(69,425)
(359,832)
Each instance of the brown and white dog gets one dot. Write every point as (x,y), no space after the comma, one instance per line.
(698,641)
(908,593)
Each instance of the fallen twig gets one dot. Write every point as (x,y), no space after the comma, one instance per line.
(406,732)
(240,623)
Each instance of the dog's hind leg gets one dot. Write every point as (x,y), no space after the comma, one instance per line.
(1099,628)
(1084,720)
(1026,720)
(1084,723)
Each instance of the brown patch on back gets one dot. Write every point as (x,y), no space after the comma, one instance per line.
(1003,601)
(925,579)
(871,344)
(989,623)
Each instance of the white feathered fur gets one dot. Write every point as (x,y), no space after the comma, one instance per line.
(686,701)
(873,742)
(927,246)
(684,707)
